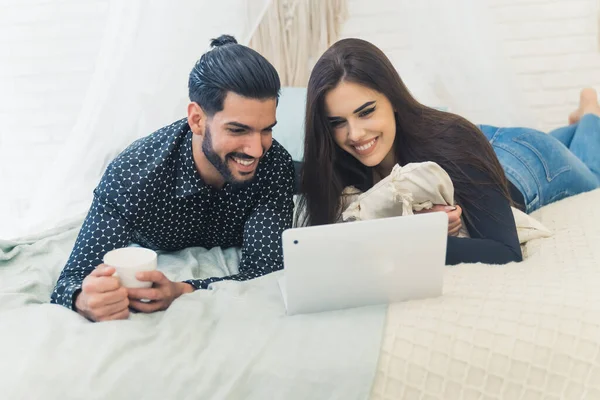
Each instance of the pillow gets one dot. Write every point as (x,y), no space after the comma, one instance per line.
(289,131)
(415,187)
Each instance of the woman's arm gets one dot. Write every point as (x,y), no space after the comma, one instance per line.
(491,226)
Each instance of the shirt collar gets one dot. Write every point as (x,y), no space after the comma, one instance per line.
(187,179)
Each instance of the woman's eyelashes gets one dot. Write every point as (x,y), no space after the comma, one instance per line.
(335,122)
(366,112)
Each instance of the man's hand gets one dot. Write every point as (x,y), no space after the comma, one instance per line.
(454,213)
(102,298)
(161,294)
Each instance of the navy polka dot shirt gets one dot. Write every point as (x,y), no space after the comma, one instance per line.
(152,195)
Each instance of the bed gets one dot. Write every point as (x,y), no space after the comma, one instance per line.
(528,330)
(521,331)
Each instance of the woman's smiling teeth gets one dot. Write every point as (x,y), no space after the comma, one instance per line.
(365,147)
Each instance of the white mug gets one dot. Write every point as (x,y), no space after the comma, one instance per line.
(127,261)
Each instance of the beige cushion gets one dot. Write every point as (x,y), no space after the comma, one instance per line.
(415,187)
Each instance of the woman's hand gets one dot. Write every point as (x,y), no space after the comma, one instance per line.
(454,214)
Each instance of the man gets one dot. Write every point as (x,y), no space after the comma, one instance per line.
(215,178)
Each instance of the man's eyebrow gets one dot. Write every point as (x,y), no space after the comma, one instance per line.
(249,128)
(237,124)
(367,104)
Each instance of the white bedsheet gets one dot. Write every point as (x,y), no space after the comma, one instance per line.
(233,342)
(527,330)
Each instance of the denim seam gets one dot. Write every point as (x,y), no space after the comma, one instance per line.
(494,136)
(562,194)
(512,173)
(522,181)
(549,178)
(516,176)
(518,157)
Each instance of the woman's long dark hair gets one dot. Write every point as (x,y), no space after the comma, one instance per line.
(422,134)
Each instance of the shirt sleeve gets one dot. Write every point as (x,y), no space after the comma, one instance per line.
(104,229)
(262,248)
(492,228)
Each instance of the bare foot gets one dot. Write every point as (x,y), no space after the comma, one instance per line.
(588,104)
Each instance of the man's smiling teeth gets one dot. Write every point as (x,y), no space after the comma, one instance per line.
(245,163)
(365,146)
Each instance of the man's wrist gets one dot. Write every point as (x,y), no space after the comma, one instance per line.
(77,300)
(185,288)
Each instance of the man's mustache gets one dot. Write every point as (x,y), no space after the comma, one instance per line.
(243,156)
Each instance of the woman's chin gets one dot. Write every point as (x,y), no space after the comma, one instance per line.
(372,160)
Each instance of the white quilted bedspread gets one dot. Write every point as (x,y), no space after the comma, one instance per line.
(527,330)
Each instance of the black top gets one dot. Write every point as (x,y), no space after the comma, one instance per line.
(491,225)
(152,195)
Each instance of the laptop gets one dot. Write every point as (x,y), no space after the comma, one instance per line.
(355,264)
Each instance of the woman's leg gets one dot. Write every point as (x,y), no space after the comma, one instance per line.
(588,104)
(539,165)
(582,137)
(565,134)
(586,142)
(549,167)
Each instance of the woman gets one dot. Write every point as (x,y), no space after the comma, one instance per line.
(361,120)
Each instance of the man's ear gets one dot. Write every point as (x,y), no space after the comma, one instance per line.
(196,118)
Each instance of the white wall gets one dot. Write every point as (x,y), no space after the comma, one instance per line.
(553,47)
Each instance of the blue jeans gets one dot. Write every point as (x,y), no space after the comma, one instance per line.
(549,167)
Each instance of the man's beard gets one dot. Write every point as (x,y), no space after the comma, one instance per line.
(222,166)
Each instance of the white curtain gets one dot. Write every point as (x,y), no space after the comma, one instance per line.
(139,84)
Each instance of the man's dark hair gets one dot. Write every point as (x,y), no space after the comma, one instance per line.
(231,67)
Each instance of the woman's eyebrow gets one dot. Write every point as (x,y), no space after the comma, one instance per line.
(367,104)
(359,109)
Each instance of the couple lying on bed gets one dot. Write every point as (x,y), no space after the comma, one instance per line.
(216,178)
